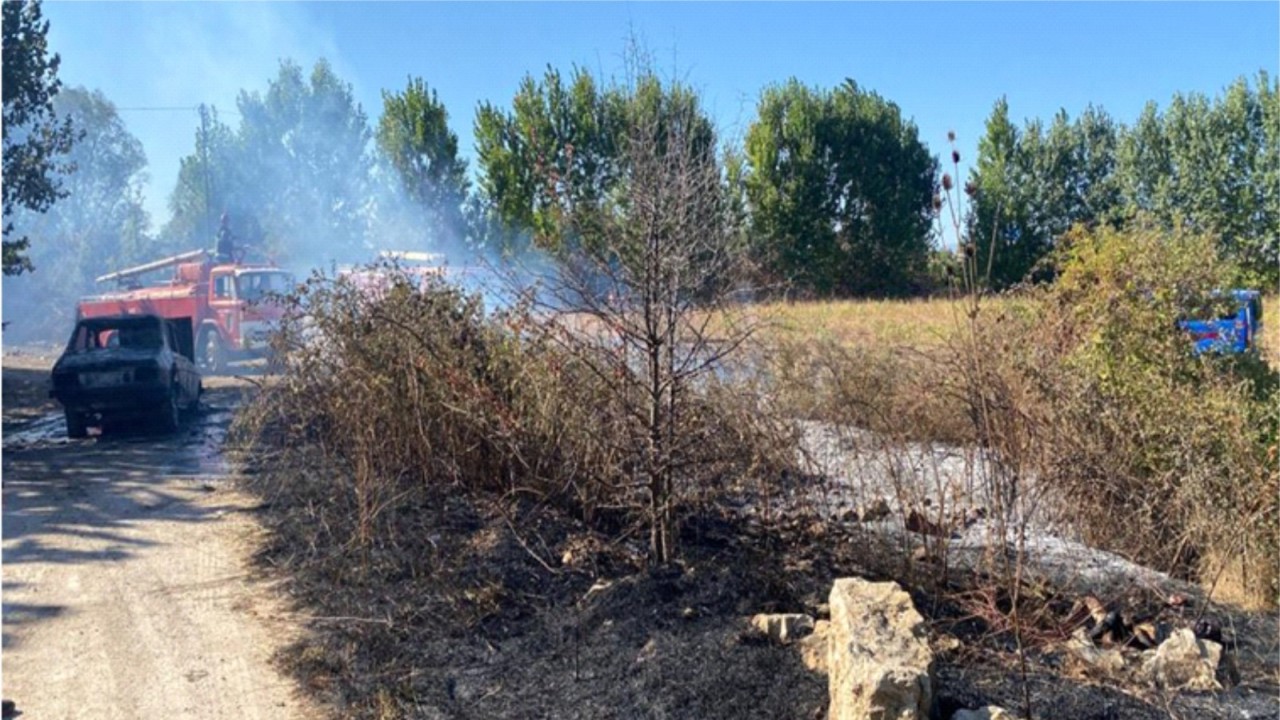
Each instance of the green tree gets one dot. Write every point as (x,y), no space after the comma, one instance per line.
(1001,207)
(1213,165)
(840,189)
(33,136)
(1264,257)
(1032,185)
(1196,159)
(98,225)
(310,138)
(1143,165)
(1094,180)
(1049,172)
(293,177)
(414,138)
(1218,149)
(736,204)
(559,158)
(488,230)
(555,154)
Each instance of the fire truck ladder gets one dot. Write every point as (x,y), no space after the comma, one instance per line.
(120,275)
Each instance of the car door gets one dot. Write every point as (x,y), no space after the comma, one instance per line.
(224,304)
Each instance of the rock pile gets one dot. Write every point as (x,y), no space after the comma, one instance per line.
(875,651)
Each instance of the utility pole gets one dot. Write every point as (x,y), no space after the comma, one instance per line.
(204,164)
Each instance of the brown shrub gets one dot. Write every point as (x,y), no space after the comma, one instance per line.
(410,392)
(1151,451)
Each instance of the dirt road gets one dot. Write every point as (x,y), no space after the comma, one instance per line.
(127,588)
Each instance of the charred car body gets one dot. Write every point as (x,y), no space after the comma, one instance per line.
(127,368)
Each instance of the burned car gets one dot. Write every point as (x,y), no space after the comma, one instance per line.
(127,368)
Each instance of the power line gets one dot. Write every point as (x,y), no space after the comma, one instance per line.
(173,108)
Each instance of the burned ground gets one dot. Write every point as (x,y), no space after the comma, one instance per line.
(470,617)
(475,608)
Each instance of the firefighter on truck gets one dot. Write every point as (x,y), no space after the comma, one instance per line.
(224,250)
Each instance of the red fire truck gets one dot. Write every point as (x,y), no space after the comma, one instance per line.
(227,303)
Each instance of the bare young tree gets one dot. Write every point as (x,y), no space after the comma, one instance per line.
(642,296)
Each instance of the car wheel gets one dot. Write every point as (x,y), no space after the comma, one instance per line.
(212,357)
(76,426)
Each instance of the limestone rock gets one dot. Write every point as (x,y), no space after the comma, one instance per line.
(1184,662)
(783,628)
(1108,662)
(880,657)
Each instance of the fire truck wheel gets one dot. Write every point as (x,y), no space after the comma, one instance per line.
(76,427)
(212,359)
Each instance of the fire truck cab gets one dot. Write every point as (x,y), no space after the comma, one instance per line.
(228,303)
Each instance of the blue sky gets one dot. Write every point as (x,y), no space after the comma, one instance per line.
(943,64)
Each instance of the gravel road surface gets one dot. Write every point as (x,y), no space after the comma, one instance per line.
(128,591)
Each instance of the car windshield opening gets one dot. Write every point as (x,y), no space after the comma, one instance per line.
(104,336)
(253,286)
(146,337)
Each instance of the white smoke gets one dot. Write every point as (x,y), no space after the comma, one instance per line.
(191,53)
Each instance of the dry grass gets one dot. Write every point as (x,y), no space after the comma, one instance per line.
(916,322)
(1271,330)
